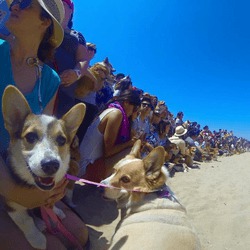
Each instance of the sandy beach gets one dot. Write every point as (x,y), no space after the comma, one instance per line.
(216,196)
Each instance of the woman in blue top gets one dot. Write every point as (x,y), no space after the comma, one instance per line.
(36,31)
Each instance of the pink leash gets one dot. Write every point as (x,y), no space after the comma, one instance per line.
(74,178)
(48,216)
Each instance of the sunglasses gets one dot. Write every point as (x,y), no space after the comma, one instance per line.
(91,49)
(146,105)
(23,4)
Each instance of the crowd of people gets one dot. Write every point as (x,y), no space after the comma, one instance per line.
(45,58)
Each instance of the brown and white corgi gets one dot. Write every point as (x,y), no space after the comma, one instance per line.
(38,154)
(151,216)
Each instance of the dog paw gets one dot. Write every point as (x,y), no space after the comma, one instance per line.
(59,212)
(37,240)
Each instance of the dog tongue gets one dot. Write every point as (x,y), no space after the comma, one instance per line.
(46,180)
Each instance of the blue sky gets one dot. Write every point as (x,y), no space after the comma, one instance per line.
(193,54)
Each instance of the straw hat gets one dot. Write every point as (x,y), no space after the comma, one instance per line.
(56,11)
(179,131)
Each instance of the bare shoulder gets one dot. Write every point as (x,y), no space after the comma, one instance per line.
(111,119)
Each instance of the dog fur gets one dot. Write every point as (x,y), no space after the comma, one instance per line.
(189,156)
(101,71)
(38,154)
(148,221)
(74,167)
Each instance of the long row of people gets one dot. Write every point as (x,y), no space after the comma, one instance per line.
(117,112)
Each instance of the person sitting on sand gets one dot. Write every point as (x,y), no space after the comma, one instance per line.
(141,125)
(108,135)
(36,27)
(179,119)
(177,139)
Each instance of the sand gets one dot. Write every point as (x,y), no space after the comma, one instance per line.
(216,196)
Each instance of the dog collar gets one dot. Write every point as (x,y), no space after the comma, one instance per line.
(165,192)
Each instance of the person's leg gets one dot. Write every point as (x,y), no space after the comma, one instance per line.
(12,238)
(74,224)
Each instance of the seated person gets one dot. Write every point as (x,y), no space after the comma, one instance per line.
(141,125)
(108,135)
(177,139)
(179,119)
(37,33)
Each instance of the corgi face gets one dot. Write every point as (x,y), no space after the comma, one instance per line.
(124,178)
(192,151)
(135,174)
(39,150)
(42,148)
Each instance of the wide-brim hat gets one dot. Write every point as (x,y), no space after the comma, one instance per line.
(55,9)
(179,131)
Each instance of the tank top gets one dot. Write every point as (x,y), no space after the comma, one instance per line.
(91,147)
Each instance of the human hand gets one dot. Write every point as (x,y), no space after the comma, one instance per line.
(35,197)
(68,77)
(57,193)
(90,55)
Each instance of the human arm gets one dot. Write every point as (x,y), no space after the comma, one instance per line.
(69,76)
(50,106)
(113,121)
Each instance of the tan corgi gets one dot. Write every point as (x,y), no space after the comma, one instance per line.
(151,216)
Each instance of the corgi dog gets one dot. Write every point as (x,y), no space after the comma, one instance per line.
(189,155)
(151,216)
(101,71)
(38,154)
(74,166)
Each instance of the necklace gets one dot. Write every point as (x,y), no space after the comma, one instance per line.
(34,62)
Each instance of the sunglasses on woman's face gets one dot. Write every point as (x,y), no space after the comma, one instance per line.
(23,4)
(91,49)
(146,105)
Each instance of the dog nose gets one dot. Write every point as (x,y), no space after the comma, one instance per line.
(50,166)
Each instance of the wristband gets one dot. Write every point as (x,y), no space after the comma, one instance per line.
(78,73)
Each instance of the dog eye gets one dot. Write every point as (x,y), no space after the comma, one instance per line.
(125,179)
(60,140)
(31,137)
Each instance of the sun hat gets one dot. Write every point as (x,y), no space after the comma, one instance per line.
(70,4)
(56,11)
(179,131)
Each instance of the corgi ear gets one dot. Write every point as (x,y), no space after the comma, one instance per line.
(135,151)
(153,163)
(15,109)
(73,119)
(106,60)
